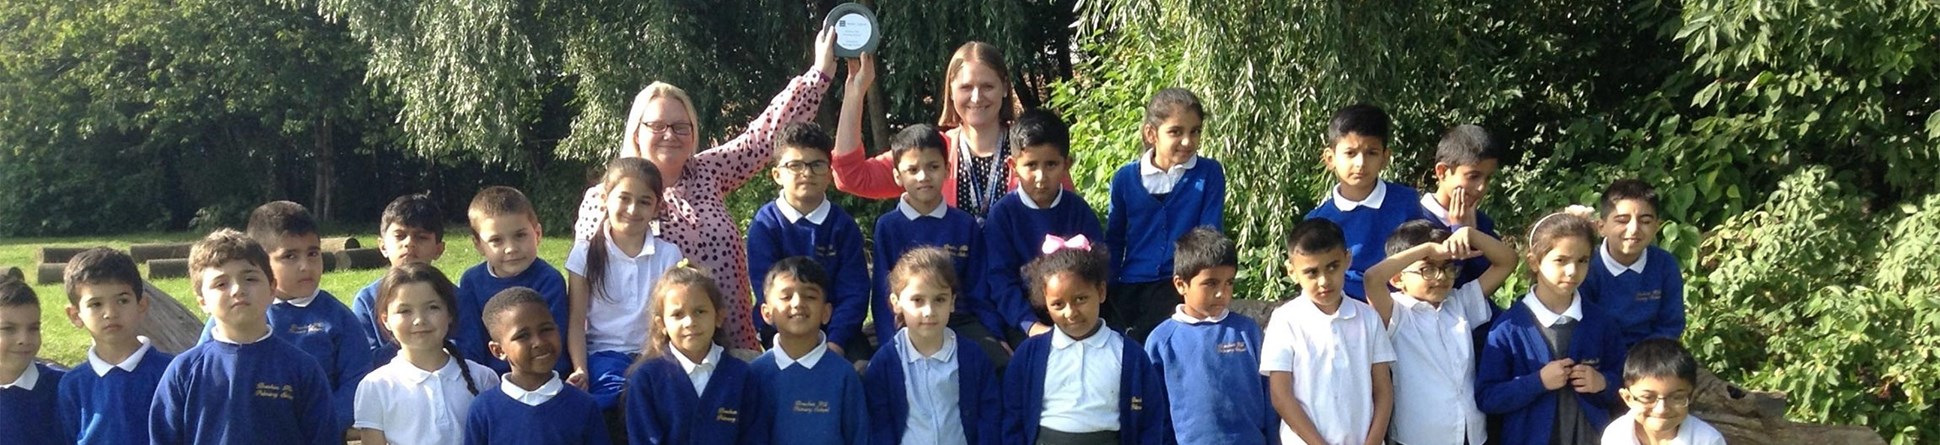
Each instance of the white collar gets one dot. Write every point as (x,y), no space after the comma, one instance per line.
(808,360)
(217,335)
(1373,200)
(1179,314)
(794,215)
(1547,318)
(1412,303)
(1616,268)
(1060,340)
(712,359)
(903,206)
(419,375)
(646,245)
(304,301)
(1028,202)
(1147,168)
(27,379)
(101,367)
(1306,307)
(531,398)
(945,354)
(1433,207)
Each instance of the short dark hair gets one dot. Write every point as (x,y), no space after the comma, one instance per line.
(808,135)
(16,293)
(1629,189)
(1038,126)
(1659,357)
(919,137)
(1173,100)
(498,200)
(279,219)
(1363,119)
(225,245)
(1091,266)
(1315,235)
(100,265)
(417,211)
(1414,233)
(506,300)
(1202,248)
(803,269)
(1467,144)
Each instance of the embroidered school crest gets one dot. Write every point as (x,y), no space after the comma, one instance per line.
(727,415)
(1234,347)
(1138,404)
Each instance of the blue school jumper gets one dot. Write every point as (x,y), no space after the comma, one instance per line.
(1013,235)
(267,392)
(382,350)
(568,418)
(835,244)
(113,408)
(978,400)
(1508,386)
(662,409)
(1213,383)
(1367,229)
(27,415)
(1142,411)
(1643,305)
(329,333)
(956,233)
(477,286)
(1141,229)
(819,406)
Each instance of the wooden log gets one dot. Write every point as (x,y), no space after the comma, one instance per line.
(50,273)
(356,259)
(170,326)
(14,273)
(329,262)
(340,244)
(143,253)
(168,268)
(58,255)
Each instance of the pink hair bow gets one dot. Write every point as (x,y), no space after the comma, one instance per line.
(1052,243)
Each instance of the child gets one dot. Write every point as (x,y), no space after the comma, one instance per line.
(1014,233)
(609,284)
(304,315)
(1365,207)
(506,231)
(684,391)
(28,399)
(1167,192)
(1209,356)
(1431,321)
(921,219)
(929,384)
(812,401)
(107,403)
(1658,379)
(1637,283)
(532,405)
(412,230)
(1326,357)
(242,386)
(803,222)
(1083,383)
(1464,160)
(1546,366)
(422,395)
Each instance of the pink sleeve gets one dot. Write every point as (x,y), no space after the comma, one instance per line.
(868,177)
(730,165)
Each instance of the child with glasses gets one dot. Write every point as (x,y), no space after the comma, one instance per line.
(1658,381)
(1430,321)
(804,222)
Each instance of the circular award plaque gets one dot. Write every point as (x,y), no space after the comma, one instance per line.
(856,30)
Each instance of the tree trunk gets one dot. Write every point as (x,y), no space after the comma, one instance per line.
(326,171)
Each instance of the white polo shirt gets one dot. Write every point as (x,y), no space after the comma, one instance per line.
(1081,382)
(1434,368)
(412,406)
(1623,431)
(1332,359)
(617,312)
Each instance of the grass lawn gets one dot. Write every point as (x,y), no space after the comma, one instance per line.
(67,344)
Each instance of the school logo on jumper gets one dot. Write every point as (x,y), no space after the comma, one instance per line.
(959,251)
(301,329)
(811,407)
(1138,404)
(1229,348)
(727,415)
(825,251)
(273,391)
(1650,296)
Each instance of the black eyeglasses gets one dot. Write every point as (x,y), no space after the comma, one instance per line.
(681,129)
(1445,271)
(803,168)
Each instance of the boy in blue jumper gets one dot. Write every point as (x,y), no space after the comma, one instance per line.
(1014,231)
(1167,192)
(1464,160)
(506,231)
(1637,283)
(106,402)
(304,315)
(804,222)
(244,386)
(28,390)
(817,398)
(1208,355)
(1082,384)
(922,219)
(1366,208)
(412,230)
(532,405)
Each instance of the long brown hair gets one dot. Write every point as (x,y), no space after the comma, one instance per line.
(681,277)
(616,171)
(982,54)
(930,262)
(414,273)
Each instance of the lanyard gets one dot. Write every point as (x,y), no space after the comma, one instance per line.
(980,197)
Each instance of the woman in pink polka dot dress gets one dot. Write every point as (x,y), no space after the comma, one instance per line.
(695,215)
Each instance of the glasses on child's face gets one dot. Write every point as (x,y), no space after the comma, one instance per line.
(805,168)
(1431,272)
(1653,399)
(681,129)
